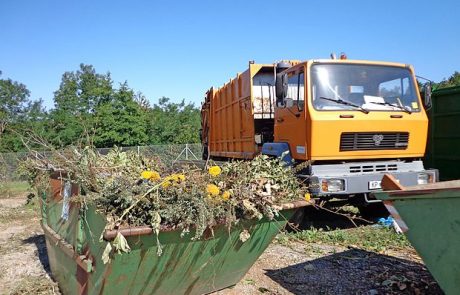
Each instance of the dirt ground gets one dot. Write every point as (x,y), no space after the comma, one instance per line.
(323,269)
(295,268)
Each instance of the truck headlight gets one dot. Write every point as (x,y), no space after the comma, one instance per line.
(332,185)
(425,178)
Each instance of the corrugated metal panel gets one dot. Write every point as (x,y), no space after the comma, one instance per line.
(233,109)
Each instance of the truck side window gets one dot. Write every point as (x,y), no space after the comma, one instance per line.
(292,92)
(296,90)
(292,86)
(300,91)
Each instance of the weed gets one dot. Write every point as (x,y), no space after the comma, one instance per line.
(370,238)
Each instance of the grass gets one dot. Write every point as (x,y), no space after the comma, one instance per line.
(26,212)
(14,188)
(41,285)
(370,238)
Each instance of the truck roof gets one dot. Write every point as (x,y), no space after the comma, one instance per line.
(328,60)
(357,61)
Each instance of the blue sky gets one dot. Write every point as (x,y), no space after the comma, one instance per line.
(179,49)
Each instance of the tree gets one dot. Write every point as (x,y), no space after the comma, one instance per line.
(32,120)
(453,80)
(18,114)
(76,100)
(13,101)
(121,121)
(173,122)
(88,107)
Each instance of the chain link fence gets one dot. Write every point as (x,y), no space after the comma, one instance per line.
(9,162)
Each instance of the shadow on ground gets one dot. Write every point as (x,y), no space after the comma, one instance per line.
(311,217)
(39,241)
(356,272)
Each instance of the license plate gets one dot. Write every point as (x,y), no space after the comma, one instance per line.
(375,184)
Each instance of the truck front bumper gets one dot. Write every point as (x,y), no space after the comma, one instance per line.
(358,178)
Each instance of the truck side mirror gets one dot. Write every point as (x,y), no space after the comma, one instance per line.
(281,87)
(427,96)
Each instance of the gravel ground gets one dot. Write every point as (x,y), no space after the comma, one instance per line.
(325,269)
(296,268)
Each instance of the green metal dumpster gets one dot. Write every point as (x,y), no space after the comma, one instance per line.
(76,238)
(443,148)
(429,217)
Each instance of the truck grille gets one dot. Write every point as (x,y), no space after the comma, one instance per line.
(374,168)
(356,141)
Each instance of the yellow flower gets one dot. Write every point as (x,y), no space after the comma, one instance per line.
(307,197)
(226,195)
(150,175)
(178,177)
(214,170)
(146,174)
(172,180)
(155,176)
(213,190)
(166,183)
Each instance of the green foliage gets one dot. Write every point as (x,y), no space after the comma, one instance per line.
(120,121)
(13,100)
(17,112)
(87,108)
(453,80)
(76,101)
(368,238)
(87,105)
(174,122)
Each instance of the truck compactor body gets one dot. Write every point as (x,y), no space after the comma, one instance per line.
(352,121)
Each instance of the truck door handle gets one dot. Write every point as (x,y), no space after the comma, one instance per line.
(279,120)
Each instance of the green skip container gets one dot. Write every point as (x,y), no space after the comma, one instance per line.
(76,239)
(443,148)
(430,218)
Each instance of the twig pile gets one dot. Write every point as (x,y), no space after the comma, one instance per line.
(132,190)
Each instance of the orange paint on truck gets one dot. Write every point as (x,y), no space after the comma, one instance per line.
(233,121)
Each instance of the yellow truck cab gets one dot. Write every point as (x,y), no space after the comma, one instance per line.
(352,120)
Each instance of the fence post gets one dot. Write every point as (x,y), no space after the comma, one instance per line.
(186,151)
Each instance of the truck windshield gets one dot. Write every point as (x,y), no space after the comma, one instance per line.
(371,87)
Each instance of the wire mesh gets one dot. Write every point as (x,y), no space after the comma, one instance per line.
(9,162)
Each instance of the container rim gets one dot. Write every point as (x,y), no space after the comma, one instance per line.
(146,230)
(420,191)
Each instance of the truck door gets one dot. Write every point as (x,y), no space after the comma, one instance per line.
(290,116)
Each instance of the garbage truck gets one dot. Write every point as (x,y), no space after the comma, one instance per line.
(348,122)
